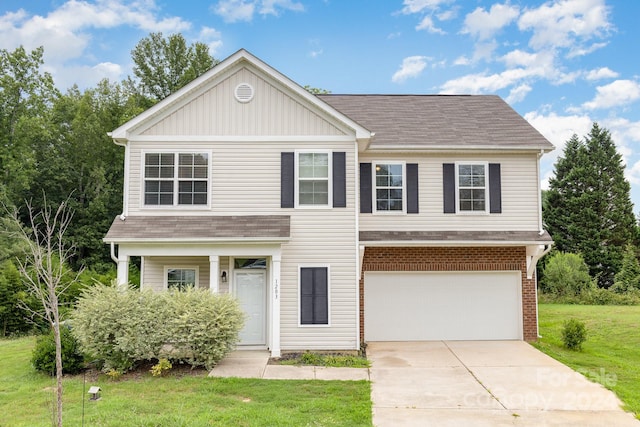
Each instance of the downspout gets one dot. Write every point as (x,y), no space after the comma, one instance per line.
(125,192)
(357,238)
(113,253)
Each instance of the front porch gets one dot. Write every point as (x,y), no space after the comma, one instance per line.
(240,256)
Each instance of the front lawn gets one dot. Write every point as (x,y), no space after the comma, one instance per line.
(611,354)
(26,399)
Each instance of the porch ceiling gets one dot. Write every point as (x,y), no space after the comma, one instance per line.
(199,228)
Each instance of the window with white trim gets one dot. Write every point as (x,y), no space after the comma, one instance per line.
(389,187)
(181,277)
(472,187)
(176,179)
(313,172)
(314,295)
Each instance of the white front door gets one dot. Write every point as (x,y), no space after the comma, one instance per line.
(251,291)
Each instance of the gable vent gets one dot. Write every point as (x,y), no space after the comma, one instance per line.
(244,92)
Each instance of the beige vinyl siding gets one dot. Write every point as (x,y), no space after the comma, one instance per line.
(154,268)
(519,179)
(271,112)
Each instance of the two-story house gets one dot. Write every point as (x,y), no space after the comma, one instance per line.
(336,219)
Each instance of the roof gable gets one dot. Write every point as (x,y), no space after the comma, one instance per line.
(207,107)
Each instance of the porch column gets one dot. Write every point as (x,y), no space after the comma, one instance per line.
(123,271)
(275,307)
(214,271)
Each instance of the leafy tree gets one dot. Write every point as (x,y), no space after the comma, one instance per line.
(26,94)
(164,65)
(629,275)
(316,91)
(588,209)
(565,274)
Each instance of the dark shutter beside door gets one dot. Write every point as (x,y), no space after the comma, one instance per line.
(495,188)
(365,188)
(287,180)
(339,180)
(412,188)
(449,187)
(314,296)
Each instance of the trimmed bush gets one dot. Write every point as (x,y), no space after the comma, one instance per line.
(574,333)
(123,327)
(44,354)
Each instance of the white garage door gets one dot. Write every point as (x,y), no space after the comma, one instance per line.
(414,306)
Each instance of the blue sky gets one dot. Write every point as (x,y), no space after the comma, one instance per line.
(562,64)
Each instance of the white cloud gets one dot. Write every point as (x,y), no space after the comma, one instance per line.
(617,93)
(601,73)
(484,25)
(417,6)
(427,24)
(212,38)
(235,10)
(566,23)
(315,53)
(518,93)
(244,10)
(411,67)
(87,76)
(64,32)
(462,60)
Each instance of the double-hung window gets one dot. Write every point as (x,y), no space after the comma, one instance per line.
(181,278)
(314,295)
(472,187)
(389,187)
(313,172)
(176,179)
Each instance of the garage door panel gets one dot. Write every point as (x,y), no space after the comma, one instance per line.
(403,306)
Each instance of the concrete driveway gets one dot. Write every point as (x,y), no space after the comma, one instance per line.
(484,383)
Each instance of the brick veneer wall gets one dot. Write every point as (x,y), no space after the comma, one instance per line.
(455,259)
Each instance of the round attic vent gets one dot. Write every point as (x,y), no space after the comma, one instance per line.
(244,92)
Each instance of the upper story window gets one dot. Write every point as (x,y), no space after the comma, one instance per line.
(389,187)
(472,187)
(313,173)
(176,179)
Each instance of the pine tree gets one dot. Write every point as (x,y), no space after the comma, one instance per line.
(589,209)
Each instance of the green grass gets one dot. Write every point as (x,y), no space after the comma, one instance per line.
(26,398)
(611,353)
(330,360)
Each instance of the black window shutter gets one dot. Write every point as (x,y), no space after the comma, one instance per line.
(314,296)
(287,180)
(449,187)
(339,180)
(495,188)
(412,188)
(365,188)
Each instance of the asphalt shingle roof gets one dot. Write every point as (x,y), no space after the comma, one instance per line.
(532,237)
(439,121)
(159,228)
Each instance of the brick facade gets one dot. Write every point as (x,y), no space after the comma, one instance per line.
(455,259)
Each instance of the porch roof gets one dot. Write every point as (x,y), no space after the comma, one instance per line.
(199,228)
(450,238)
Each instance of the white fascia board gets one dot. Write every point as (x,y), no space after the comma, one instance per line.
(235,138)
(242,240)
(445,243)
(392,148)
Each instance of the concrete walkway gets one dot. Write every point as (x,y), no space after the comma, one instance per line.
(481,383)
(255,364)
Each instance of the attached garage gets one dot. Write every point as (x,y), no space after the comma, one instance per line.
(414,306)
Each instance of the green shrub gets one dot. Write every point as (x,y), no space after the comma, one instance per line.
(566,274)
(44,354)
(122,327)
(160,368)
(574,333)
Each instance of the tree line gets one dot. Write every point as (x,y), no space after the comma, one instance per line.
(54,147)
